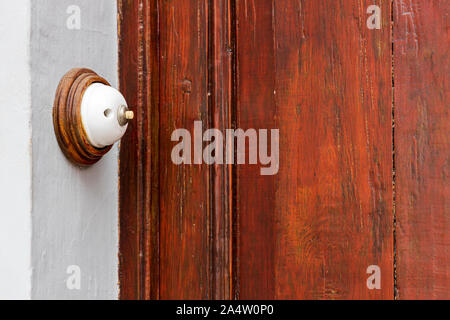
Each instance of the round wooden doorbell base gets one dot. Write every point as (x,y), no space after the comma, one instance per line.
(67,123)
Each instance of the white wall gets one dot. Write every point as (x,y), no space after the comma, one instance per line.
(15,150)
(52,213)
(75,211)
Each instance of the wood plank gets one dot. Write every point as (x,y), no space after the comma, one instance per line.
(185,205)
(221,105)
(129,265)
(255,109)
(314,70)
(175,58)
(139,179)
(422,145)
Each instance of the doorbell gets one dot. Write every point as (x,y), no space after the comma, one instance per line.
(89,116)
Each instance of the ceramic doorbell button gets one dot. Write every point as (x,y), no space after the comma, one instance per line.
(89,116)
(104,115)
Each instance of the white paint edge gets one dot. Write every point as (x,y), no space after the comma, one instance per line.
(15,154)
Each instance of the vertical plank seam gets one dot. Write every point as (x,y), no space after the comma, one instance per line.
(140,212)
(158,57)
(212,236)
(394,221)
(235,290)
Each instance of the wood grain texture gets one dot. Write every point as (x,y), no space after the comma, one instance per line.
(422,144)
(184,190)
(314,70)
(222,113)
(129,240)
(139,171)
(174,70)
(255,206)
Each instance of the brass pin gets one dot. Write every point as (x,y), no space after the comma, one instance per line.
(129,115)
(124,114)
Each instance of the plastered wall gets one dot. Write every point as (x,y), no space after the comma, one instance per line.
(61,228)
(75,211)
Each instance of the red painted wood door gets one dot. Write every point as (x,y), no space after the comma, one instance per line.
(340,93)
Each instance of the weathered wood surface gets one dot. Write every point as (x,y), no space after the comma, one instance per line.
(184,190)
(315,71)
(174,71)
(422,148)
(222,112)
(139,167)
(130,198)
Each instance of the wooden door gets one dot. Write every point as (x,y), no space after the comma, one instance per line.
(350,146)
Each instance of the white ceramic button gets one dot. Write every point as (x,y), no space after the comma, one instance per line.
(103,109)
